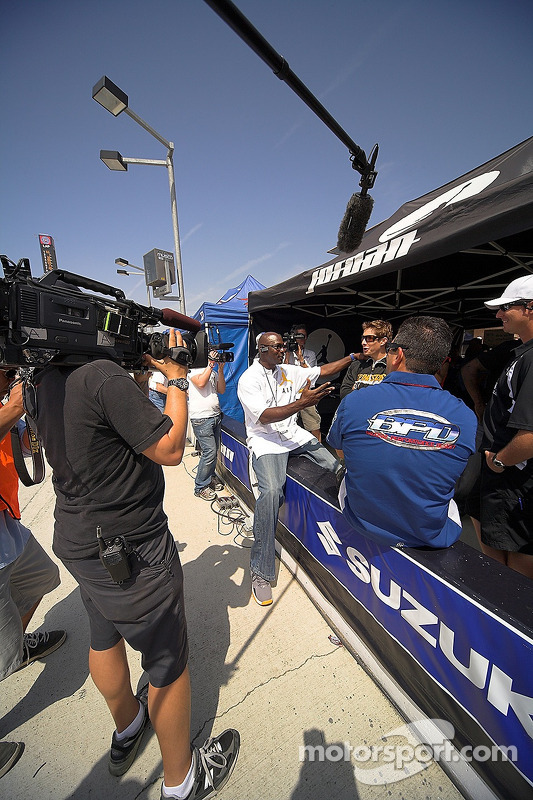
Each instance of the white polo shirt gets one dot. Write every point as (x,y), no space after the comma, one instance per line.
(261,388)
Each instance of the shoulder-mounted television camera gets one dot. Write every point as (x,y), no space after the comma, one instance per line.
(51,318)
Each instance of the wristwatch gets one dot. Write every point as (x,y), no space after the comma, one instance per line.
(181,383)
(498,463)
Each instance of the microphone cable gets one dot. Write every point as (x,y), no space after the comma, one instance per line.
(233,518)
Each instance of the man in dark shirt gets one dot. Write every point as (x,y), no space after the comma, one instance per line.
(106,443)
(480,373)
(371,369)
(409,437)
(507,471)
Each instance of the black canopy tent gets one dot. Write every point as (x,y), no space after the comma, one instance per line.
(442,254)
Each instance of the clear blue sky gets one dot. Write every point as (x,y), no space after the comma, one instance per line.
(262,184)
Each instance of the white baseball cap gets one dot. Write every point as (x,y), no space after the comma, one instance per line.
(519,289)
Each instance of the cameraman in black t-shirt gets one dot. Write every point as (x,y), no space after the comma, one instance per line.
(106,443)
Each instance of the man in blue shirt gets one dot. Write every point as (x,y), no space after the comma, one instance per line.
(405,444)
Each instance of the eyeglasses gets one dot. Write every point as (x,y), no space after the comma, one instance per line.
(277,346)
(299,335)
(394,346)
(370,338)
(507,306)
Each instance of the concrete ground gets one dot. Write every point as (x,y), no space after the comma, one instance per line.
(271,673)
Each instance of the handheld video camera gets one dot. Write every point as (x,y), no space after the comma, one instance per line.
(290,342)
(220,356)
(51,318)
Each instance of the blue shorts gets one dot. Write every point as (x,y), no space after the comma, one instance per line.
(147,610)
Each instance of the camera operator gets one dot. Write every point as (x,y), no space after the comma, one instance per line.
(26,571)
(302,357)
(106,443)
(205,384)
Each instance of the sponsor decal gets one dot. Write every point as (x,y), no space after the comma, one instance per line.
(372,257)
(227,453)
(476,667)
(455,195)
(416,430)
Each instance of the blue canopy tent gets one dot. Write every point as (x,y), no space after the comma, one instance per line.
(227,321)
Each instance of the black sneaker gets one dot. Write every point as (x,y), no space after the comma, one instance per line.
(213,764)
(40,644)
(122,754)
(10,752)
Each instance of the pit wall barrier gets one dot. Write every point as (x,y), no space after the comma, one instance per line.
(446,633)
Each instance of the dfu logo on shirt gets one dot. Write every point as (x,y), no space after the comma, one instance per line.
(417,430)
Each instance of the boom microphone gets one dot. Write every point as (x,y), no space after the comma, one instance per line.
(354,222)
(177,320)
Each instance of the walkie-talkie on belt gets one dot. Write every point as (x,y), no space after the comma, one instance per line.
(115,556)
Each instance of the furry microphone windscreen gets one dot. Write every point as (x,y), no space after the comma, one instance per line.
(354,222)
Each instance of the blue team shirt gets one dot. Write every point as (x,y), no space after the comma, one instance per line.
(406,441)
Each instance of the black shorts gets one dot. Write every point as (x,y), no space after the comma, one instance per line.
(147,610)
(506,511)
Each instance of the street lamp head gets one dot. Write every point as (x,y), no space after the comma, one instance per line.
(110,96)
(121,262)
(113,160)
(123,272)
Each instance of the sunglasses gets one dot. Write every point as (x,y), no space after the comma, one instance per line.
(507,306)
(277,346)
(370,338)
(391,346)
(9,373)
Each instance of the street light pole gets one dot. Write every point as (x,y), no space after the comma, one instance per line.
(115,101)
(121,262)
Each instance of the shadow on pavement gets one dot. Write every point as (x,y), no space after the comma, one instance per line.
(327,777)
(209,592)
(65,670)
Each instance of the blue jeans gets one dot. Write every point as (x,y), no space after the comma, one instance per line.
(207,432)
(271,473)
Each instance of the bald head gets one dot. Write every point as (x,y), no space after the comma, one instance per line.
(271,337)
(271,349)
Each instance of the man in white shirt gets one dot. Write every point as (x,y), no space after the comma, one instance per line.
(205,384)
(272,394)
